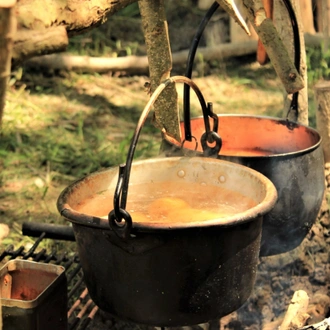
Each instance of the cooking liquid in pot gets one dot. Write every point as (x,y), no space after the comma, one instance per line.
(246,152)
(166,202)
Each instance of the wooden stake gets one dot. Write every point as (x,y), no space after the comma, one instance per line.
(139,64)
(284,28)
(155,32)
(325,22)
(306,9)
(136,64)
(322,101)
(262,56)
(7,32)
(274,46)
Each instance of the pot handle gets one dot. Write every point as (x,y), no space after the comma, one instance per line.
(118,214)
(192,53)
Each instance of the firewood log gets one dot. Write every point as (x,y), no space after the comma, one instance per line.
(323,325)
(296,315)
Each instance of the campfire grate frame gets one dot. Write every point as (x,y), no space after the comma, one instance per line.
(81,308)
(83,313)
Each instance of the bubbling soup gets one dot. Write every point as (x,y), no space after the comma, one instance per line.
(166,202)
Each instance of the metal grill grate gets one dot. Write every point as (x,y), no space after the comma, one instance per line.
(81,308)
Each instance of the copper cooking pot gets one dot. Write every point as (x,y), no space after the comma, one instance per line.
(178,273)
(161,272)
(286,152)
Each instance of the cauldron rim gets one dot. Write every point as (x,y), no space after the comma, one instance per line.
(293,125)
(253,213)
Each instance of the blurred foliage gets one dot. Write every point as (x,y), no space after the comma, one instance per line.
(318,63)
(122,34)
(105,40)
(318,68)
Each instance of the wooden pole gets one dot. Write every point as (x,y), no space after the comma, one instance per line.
(155,32)
(276,49)
(7,32)
(139,64)
(307,16)
(262,56)
(136,64)
(283,25)
(325,17)
(322,100)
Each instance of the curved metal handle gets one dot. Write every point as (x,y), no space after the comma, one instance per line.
(194,46)
(120,220)
(189,64)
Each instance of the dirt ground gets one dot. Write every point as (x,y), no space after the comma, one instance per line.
(305,268)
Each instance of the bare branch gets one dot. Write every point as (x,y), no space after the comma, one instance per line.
(155,32)
(75,15)
(136,64)
(29,43)
(274,46)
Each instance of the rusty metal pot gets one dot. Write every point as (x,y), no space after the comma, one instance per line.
(287,153)
(171,274)
(165,273)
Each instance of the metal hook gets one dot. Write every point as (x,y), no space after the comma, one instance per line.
(211,137)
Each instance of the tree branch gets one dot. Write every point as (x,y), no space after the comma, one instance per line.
(139,64)
(29,43)
(7,32)
(136,64)
(75,15)
(155,32)
(274,46)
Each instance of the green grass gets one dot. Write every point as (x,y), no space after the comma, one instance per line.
(56,130)
(318,64)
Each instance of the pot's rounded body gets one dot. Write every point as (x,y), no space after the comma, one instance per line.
(287,153)
(171,274)
(171,279)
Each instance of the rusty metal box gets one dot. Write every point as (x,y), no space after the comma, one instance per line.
(33,296)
